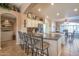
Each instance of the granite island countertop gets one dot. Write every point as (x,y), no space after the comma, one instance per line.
(51,36)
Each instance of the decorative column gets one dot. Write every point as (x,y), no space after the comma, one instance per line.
(50,26)
(46,26)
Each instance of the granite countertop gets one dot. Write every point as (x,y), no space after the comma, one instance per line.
(52,36)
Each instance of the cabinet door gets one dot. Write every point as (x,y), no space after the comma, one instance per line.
(33,23)
(29,22)
(36,23)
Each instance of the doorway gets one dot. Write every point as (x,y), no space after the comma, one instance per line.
(8,28)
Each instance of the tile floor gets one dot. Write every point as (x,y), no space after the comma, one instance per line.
(71,48)
(10,48)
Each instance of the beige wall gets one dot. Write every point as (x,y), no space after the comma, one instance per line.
(23,17)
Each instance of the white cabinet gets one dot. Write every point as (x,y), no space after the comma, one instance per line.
(33,23)
(28,23)
(36,23)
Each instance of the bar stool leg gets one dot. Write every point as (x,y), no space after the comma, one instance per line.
(47,52)
(32,52)
(22,46)
(36,52)
(41,53)
(27,50)
(25,47)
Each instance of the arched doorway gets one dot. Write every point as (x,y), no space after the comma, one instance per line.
(8,27)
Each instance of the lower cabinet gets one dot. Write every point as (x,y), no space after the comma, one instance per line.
(8,35)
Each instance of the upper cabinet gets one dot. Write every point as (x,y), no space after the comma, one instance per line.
(33,23)
(33,20)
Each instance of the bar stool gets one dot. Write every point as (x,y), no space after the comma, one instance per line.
(30,44)
(26,41)
(41,46)
(21,39)
(37,45)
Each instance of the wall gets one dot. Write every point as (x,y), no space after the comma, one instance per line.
(23,17)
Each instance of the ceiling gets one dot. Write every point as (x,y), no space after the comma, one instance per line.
(21,6)
(64,9)
(17,4)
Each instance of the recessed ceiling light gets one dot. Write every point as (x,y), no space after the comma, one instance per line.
(58,14)
(39,9)
(75,9)
(52,3)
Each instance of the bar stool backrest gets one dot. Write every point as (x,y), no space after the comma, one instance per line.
(29,39)
(25,37)
(20,35)
(39,38)
(32,40)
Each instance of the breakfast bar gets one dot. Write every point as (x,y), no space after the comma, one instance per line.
(55,40)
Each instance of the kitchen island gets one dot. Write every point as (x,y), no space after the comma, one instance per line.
(55,41)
